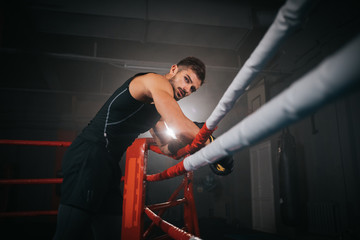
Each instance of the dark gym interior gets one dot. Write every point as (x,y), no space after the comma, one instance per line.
(61,59)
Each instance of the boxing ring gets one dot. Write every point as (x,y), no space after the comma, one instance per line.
(31,181)
(134,195)
(134,198)
(331,79)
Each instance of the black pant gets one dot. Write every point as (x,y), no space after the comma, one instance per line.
(92,178)
(74,223)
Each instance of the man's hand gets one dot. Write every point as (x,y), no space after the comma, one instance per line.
(170,145)
(167,143)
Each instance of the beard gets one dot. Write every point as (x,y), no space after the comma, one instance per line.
(172,82)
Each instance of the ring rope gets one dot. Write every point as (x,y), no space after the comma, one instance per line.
(168,228)
(288,19)
(162,211)
(31,181)
(35,143)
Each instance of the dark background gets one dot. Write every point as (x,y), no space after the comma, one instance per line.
(60,60)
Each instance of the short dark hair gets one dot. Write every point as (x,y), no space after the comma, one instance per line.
(196,65)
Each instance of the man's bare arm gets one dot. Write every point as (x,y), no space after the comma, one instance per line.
(167,144)
(157,89)
(162,94)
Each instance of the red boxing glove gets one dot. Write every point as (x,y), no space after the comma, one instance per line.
(199,142)
(173,171)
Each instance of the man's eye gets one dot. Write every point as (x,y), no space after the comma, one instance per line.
(187,80)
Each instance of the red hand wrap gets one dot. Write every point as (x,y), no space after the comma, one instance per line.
(199,142)
(156,149)
(173,171)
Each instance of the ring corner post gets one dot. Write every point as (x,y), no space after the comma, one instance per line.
(134,190)
(190,214)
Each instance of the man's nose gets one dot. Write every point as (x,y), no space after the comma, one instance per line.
(187,89)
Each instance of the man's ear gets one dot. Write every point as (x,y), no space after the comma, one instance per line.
(174,69)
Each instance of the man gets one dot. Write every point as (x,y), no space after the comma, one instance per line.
(90,195)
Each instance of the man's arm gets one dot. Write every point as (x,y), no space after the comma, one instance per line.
(184,129)
(158,132)
(158,88)
(222,167)
(163,139)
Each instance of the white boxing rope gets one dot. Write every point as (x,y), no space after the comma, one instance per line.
(329,80)
(287,20)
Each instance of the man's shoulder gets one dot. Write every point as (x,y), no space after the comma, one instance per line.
(152,76)
(143,87)
(153,80)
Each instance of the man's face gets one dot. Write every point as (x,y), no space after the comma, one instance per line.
(184,83)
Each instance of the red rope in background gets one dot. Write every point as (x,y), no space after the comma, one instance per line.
(29,213)
(35,143)
(34,181)
(30,181)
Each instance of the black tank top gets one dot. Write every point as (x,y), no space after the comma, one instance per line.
(120,121)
